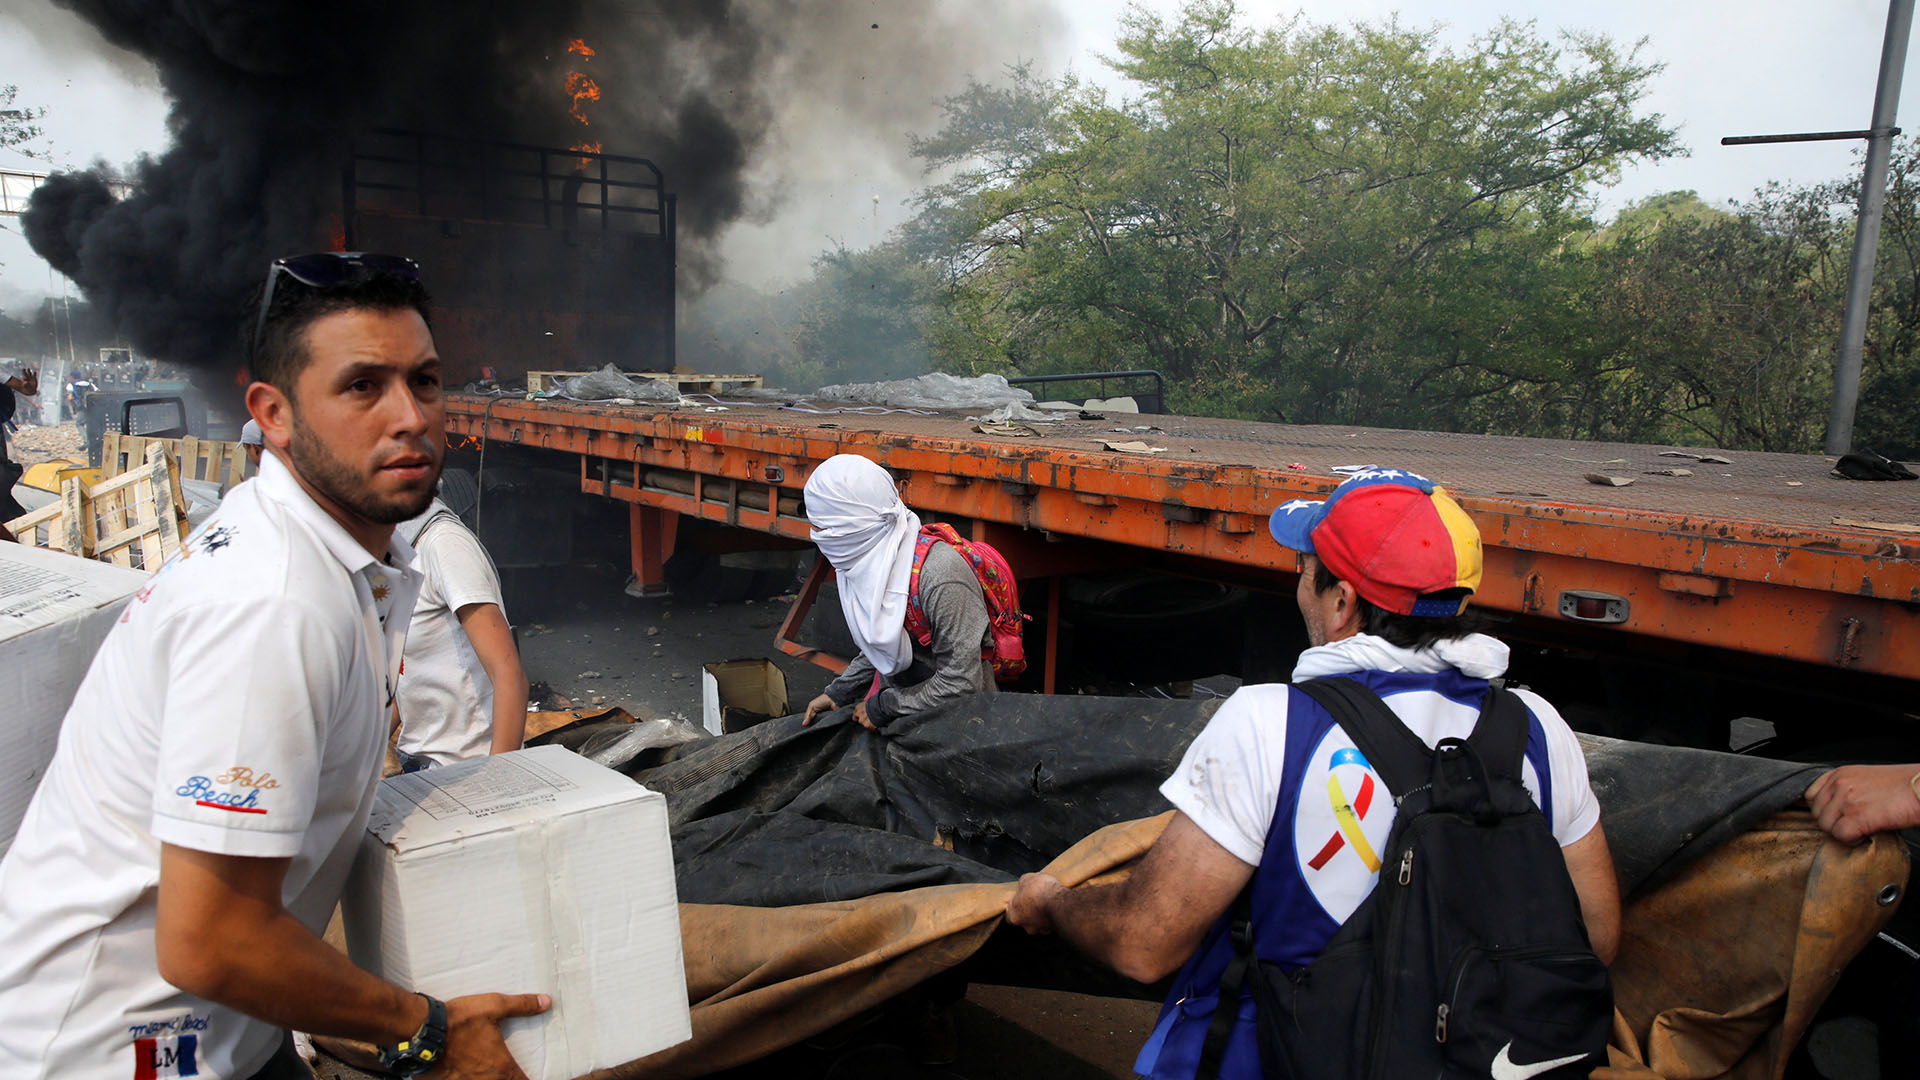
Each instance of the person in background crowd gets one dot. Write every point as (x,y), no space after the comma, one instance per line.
(25,381)
(463,693)
(77,390)
(162,904)
(868,534)
(252,444)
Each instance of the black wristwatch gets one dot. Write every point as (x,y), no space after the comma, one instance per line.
(423,1051)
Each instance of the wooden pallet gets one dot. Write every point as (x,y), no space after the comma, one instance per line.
(223,463)
(136,519)
(47,526)
(541,382)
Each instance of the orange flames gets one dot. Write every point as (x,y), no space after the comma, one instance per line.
(581,89)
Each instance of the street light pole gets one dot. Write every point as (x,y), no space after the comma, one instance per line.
(1866,237)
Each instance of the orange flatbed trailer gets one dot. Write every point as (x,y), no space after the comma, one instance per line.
(1767,555)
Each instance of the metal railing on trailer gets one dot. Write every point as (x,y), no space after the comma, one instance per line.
(1153,401)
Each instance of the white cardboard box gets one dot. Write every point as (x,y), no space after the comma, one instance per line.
(55,609)
(531,872)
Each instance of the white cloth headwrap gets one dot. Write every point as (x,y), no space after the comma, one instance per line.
(868,534)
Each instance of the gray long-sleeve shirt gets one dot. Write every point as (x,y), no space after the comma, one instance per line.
(951,668)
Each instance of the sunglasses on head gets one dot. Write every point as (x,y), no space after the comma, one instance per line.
(323,268)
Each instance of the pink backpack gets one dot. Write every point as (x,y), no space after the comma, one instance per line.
(1005,622)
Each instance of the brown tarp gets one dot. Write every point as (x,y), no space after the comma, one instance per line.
(1740,916)
(1720,969)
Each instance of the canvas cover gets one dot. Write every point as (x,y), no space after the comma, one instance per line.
(824,870)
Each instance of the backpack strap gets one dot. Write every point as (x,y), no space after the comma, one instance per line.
(1398,755)
(916,616)
(1500,737)
(1226,1009)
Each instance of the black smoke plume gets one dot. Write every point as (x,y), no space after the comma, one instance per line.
(268,98)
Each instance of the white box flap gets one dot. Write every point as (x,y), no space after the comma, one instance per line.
(443,804)
(39,587)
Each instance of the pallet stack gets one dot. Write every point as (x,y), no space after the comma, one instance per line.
(212,460)
(135,519)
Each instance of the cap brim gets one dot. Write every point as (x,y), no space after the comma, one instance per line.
(1292,522)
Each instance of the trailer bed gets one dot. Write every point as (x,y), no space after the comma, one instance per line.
(1761,555)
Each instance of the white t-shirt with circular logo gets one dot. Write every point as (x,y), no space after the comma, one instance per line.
(1229,780)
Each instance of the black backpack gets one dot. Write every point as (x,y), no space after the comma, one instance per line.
(1468,959)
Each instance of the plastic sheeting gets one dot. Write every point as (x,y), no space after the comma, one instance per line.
(610,383)
(1013,410)
(936,390)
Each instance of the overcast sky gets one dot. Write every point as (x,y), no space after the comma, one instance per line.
(1758,66)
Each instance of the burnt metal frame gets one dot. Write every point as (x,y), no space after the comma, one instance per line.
(579,169)
(571,181)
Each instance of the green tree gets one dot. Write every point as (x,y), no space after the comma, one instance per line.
(1656,211)
(17,126)
(1300,222)
(865,315)
(1725,325)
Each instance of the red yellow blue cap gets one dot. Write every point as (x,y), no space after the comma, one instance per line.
(1396,537)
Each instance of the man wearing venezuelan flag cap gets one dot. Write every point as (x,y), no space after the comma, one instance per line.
(1275,793)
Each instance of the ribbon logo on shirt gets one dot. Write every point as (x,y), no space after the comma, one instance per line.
(1348,814)
(1341,815)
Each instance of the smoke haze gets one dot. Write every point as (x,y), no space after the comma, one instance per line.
(749,109)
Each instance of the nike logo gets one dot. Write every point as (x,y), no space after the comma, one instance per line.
(1505,1069)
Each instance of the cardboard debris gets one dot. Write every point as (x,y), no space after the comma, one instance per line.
(1134,448)
(1885,526)
(542,723)
(737,694)
(1669,472)
(1707,459)
(1010,430)
(536,871)
(1608,481)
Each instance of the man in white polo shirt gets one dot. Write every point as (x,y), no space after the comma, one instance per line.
(161,904)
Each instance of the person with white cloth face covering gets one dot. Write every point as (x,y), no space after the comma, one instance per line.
(868,534)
